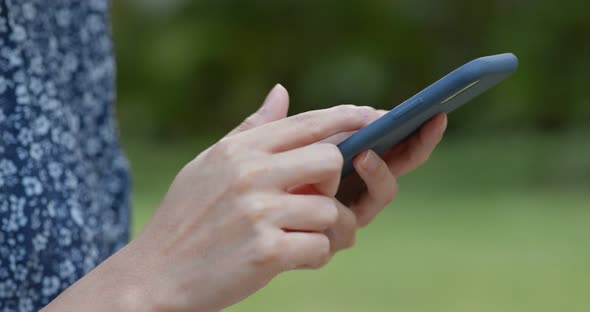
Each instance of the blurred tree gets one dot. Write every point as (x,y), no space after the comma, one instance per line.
(186,66)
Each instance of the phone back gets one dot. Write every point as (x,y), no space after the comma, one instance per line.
(444,96)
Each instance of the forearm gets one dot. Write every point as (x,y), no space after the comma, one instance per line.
(115,285)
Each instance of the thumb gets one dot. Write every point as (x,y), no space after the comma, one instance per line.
(275,107)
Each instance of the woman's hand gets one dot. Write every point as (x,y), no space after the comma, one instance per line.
(228,223)
(374,185)
(259,202)
(364,194)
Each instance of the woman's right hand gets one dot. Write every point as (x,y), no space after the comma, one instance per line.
(233,218)
(228,224)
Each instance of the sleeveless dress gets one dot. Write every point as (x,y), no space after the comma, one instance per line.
(64,186)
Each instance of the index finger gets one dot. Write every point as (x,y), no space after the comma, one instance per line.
(310,127)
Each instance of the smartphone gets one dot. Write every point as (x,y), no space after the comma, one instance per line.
(444,96)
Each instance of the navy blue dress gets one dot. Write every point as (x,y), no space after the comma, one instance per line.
(64,187)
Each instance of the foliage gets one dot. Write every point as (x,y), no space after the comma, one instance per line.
(194,65)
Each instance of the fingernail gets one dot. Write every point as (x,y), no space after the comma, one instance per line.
(371,161)
(271,97)
(445,124)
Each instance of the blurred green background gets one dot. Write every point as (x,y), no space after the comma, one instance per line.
(498,220)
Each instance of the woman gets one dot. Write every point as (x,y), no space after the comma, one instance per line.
(261,201)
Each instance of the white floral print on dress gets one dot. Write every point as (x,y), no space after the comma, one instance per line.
(64,186)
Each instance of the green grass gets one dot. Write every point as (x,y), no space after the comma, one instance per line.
(490,224)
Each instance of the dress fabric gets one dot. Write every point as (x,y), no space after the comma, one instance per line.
(64,185)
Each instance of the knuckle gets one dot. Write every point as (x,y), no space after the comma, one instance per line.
(314,131)
(248,175)
(382,170)
(368,109)
(364,217)
(345,239)
(346,108)
(338,159)
(255,209)
(333,155)
(310,125)
(368,112)
(350,111)
(330,213)
(388,197)
(268,251)
(323,256)
(393,192)
(302,118)
(351,241)
(389,193)
(244,180)
(225,149)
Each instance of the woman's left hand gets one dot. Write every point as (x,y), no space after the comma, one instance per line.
(366,193)
(374,185)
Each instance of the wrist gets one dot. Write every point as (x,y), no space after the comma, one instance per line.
(114,285)
(159,285)
(129,279)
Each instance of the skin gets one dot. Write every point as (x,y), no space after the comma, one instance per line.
(265,199)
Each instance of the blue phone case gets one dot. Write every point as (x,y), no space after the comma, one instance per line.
(445,95)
